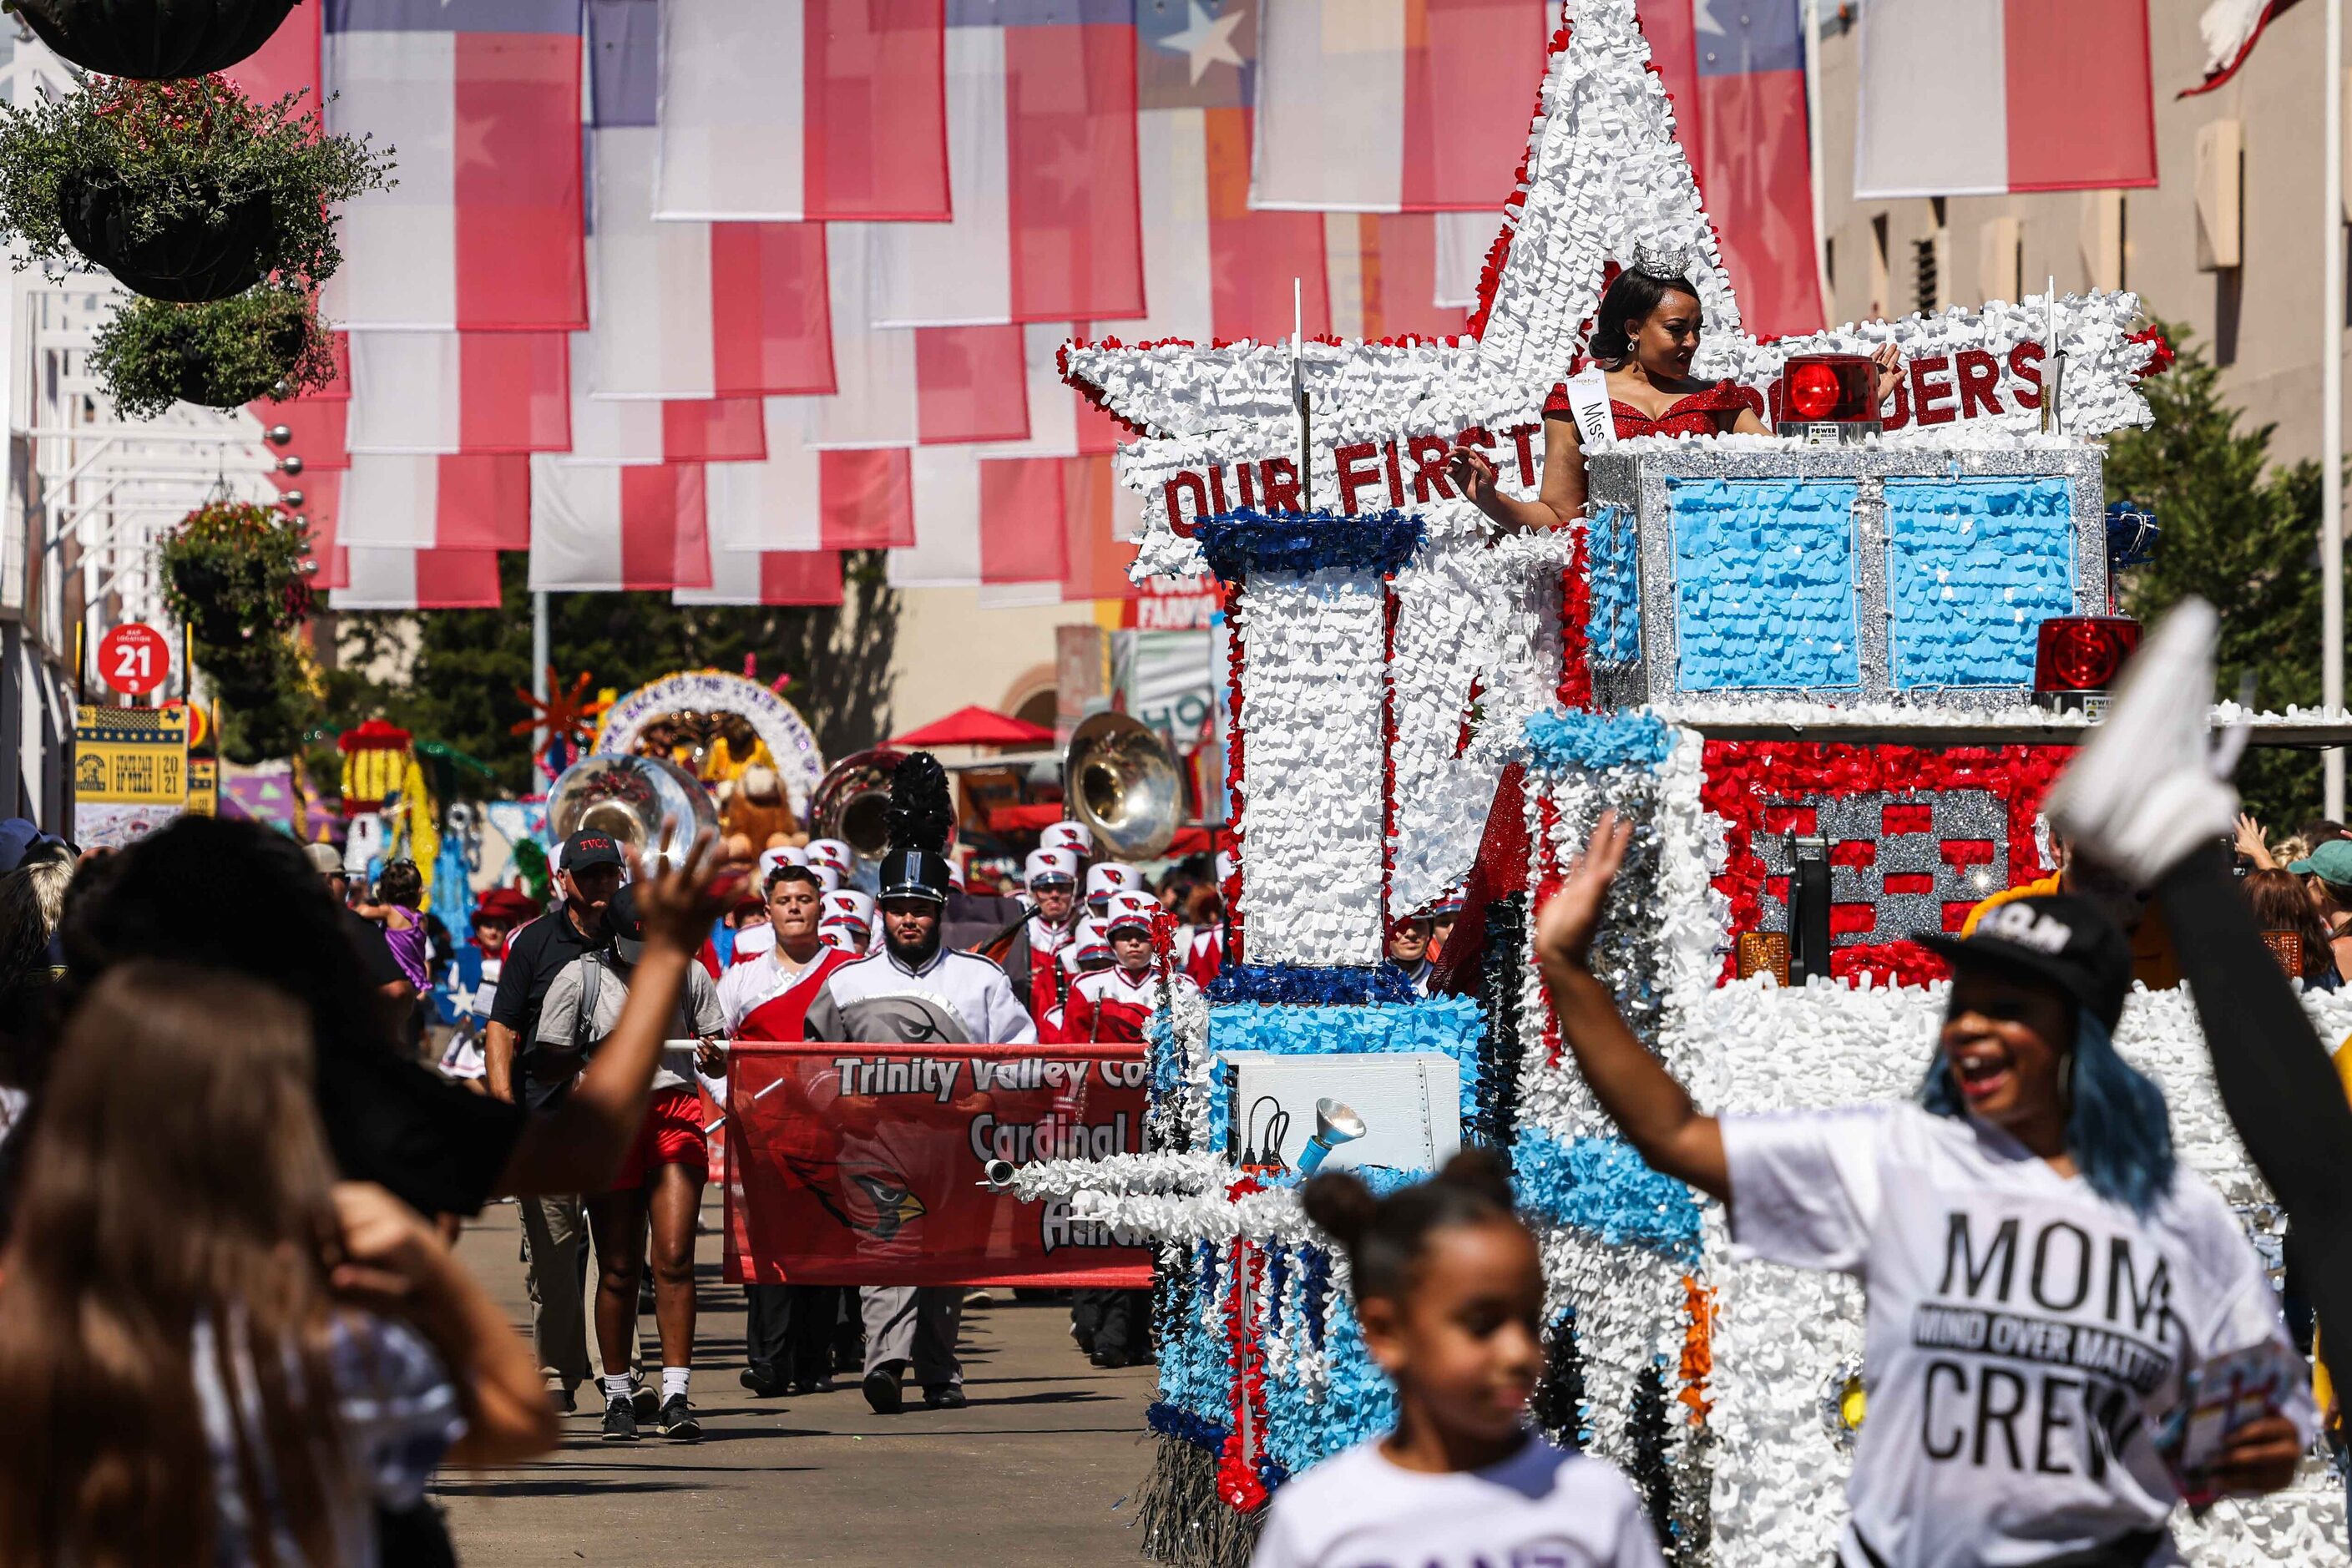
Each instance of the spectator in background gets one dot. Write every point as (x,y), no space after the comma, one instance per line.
(398,910)
(1409,949)
(2329,869)
(2280,904)
(179,1128)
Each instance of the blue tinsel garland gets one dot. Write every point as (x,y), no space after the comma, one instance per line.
(1561,739)
(1320,985)
(1183,1425)
(1240,542)
(1600,1186)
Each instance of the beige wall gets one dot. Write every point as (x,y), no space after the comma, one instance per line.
(2273,375)
(953,649)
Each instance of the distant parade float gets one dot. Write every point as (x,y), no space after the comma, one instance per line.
(1829,675)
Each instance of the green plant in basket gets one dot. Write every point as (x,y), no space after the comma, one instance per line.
(184,190)
(265,343)
(237,576)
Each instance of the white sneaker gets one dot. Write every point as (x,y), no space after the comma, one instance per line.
(2140,795)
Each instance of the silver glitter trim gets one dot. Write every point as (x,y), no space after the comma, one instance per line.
(1637,482)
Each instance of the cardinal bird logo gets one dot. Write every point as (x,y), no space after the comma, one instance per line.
(874,1202)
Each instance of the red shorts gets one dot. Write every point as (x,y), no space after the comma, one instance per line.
(671,1135)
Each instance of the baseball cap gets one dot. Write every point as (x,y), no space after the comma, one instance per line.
(626,924)
(2056,938)
(325,859)
(589,847)
(2331,862)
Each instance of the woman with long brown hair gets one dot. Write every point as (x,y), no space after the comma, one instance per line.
(214,1354)
(2279,903)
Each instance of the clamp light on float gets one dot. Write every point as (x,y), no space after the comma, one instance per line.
(1334,1124)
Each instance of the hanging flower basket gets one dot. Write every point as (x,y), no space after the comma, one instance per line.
(265,343)
(233,571)
(185,191)
(152,39)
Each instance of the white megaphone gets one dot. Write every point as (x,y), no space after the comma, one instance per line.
(1334,1124)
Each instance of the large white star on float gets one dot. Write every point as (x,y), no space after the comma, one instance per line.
(1207,41)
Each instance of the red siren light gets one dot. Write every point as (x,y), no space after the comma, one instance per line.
(1828,396)
(2077,657)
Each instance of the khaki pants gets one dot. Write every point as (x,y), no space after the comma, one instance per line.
(913,1324)
(555,1246)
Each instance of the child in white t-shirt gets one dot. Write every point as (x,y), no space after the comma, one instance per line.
(1449,1290)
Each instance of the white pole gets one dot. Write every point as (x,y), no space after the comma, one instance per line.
(538,673)
(1813,144)
(2331,409)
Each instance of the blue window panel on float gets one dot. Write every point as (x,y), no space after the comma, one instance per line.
(1613,553)
(1764,596)
(1973,568)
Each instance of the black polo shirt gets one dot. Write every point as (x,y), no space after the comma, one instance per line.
(535,957)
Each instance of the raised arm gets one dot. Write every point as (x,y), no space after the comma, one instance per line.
(1648,1106)
(577,1147)
(1560,501)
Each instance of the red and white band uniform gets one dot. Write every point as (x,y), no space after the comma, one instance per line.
(1110,1007)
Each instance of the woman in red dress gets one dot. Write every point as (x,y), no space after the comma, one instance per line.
(1642,341)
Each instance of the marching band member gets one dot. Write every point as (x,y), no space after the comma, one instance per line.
(916,988)
(847,921)
(1052,875)
(1106,879)
(788,1329)
(1110,1004)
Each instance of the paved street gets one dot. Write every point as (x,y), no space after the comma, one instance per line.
(1039,1471)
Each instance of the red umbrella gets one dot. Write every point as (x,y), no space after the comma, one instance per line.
(977,726)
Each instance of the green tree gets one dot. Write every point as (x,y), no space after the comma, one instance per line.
(2244,535)
(468,666)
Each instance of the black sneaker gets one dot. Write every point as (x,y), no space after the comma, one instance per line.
(644,1401)
(944,1396)
(620,1421)
(678,1422)
(882,1392)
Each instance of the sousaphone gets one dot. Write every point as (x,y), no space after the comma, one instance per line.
(630,798)
(1120,779)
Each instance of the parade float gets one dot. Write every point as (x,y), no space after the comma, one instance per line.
(1807,669)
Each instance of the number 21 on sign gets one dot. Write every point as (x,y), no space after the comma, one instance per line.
(134,658)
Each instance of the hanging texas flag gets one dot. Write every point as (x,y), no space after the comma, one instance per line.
(768,577)
(1981,97)
(461,391)
(482,101)
(1736,74)
(903,387)
(802,499)
(2230,28)
(1042,147)
(600,529)
(785,109)
(444,503)
(397,579)
(1396,105)
(686,309)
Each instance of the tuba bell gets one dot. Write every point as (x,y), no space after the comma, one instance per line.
(1120,779)
(630,797)
(852,802)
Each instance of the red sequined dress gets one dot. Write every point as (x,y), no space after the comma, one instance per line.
(1697,414)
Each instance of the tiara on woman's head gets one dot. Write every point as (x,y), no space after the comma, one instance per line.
(1663,260)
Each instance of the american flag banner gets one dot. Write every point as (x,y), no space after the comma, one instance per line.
(802,498)
(482,100)
(713,430)
(1041,100)
(686,309)
(461,391)
(905,386)
(1737,75)
(605,529)
(446,502)
(397,579)
(778,110)
(809,577)
(1395,105)
(2057,91)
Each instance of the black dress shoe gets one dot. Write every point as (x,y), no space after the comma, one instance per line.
(944,1396)
(764,1383)
(882,1392)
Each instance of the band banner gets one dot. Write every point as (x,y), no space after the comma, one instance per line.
(863,1164)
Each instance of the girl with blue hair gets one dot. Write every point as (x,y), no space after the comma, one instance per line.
(2043,1279)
